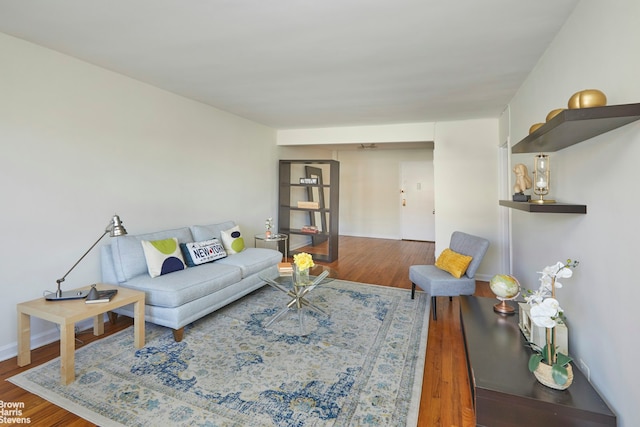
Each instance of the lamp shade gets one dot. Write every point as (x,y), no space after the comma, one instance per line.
(117,229)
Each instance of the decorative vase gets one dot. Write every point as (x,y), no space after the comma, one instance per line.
(301,277)
(267,234)
(544,376)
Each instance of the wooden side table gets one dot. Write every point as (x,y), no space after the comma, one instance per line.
(66,314)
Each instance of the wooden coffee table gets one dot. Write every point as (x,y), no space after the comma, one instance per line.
(66,314)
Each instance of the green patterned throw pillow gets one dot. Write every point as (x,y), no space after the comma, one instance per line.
(163,256)
(232,240)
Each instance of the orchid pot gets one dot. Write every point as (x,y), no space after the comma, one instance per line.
(550,367)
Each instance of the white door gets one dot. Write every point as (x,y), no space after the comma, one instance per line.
(417,201)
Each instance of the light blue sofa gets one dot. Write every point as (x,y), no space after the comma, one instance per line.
(176,299)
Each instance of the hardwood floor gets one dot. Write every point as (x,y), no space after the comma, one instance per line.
(446,400)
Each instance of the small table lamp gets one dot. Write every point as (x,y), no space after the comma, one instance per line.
(115,229)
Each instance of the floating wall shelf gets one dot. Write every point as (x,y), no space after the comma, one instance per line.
(546,208)
(576,125)
(564,130)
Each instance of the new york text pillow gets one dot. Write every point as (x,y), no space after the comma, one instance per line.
(197,253)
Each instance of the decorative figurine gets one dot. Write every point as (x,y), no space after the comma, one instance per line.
(523,182)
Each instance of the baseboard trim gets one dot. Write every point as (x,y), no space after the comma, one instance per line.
(483,277)
(43,338)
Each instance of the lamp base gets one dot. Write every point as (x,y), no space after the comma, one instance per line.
(53,296)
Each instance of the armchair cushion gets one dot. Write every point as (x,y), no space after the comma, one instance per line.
(453,262)
(437,282)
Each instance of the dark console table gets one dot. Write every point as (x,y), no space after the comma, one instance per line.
(505,393)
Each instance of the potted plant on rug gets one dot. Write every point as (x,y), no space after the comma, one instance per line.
(549,366)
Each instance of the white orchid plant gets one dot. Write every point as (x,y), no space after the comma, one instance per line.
(547,313)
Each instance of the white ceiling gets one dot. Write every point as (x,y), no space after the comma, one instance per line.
(308,63)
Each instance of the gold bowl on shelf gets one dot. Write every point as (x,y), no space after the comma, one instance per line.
(554,113)
(588,98)
(535,127)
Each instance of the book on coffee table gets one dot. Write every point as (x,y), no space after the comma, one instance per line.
(285,269)
(103,296)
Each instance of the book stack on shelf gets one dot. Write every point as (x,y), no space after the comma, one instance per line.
(311,229)
(285,269)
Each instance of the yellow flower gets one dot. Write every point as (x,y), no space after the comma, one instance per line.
(303,260)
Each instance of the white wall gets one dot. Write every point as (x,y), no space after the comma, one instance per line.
(465,179)
(80,143)
(466,186)
(370,191)
(597,48)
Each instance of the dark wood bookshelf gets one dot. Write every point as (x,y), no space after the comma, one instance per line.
(325,216)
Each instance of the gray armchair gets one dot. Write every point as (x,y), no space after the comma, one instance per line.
(437,282)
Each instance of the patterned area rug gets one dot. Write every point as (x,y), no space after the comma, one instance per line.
(361,365)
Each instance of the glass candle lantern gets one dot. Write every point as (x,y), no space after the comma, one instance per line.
(541,179)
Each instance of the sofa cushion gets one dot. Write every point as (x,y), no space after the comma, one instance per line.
(174,290)
(128,256)
(196,253)
(252,260)
(163,256)
(211,231)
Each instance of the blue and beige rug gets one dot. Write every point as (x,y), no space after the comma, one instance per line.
(361,366)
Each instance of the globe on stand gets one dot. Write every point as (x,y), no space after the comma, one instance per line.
(505,288)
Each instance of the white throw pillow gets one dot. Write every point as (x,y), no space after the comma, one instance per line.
(232,240)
